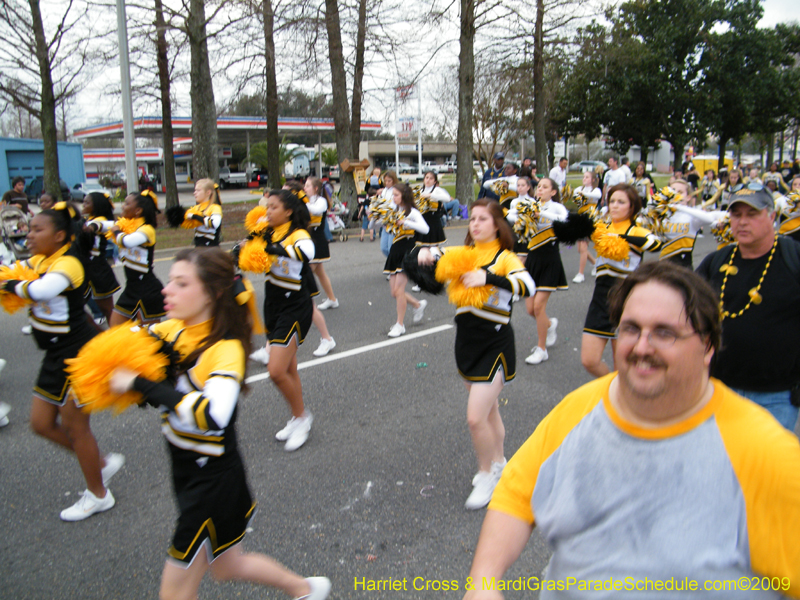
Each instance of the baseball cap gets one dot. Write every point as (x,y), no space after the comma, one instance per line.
(499,155)
(754,194)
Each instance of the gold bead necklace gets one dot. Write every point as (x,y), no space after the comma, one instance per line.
(755,297)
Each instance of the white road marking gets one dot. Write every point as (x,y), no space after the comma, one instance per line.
(357,351)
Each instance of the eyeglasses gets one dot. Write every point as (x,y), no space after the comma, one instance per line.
(660,338)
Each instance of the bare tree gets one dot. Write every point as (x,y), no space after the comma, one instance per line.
(166,106)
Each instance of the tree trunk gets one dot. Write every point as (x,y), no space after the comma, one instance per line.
(539,107)
(358,79)
(273,141)
(205,162)
(341,113)
(465,190)
(721,155)
(162,59)
(770,152)
(677,154)
(643,152)
(47,116)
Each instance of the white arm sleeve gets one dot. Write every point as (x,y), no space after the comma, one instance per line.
(415,221)
(45,288)
(317,205)
(132,240)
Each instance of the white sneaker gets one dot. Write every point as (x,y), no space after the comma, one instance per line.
(299,434)
(114,462)
(579,278)
(478,474)
(538,356)
(416,289)
(397,330)
(484,487)
(325,346)
(4,410)
(594,271)
(88,505)
(551,333)
(419,312)
(261,355)
(328,304)
(284,433)
(320,588)
(2,364)
(27,329)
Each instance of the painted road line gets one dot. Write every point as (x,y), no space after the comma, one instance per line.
(357,351)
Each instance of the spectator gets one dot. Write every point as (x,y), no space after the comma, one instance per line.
(493,173)
(613,176)
(625,168)
(526,170)
(655,472)
(16,195)
(559,173)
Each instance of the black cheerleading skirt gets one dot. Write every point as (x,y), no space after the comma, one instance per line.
(394,262)
(544,265)
(52,384)
(482,349)
(100,276)
(598,322)
(287,316)
(322,252)
(684,259)
(142,295)
(214,504)
(435,235)
(309,281)
(203,242)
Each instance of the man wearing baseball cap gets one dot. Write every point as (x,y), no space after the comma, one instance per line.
(493,173)
(758,281)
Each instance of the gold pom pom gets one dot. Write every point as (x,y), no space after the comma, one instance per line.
(10,302)
(188,222)
(609,245)
(253,257)
(126,226)
(121,346)
(256,220)
(451,267)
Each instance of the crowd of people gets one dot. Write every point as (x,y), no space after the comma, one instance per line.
(693,354)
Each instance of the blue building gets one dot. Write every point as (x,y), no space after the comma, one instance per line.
(25,158)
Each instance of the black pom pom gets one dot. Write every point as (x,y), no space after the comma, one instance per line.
(175,215)
(577,227)
(422,275)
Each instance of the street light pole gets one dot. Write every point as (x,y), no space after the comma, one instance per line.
(127,108)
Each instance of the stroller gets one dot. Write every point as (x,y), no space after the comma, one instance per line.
(14,231)
(335,222)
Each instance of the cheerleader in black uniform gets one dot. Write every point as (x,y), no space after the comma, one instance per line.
(586,198)
(99,214)
(208,212)
(60,328)
(209,329)
(623,206)
(544,265)
(434,199)
(141,299)
(407,222)
(523,188)
(485,353)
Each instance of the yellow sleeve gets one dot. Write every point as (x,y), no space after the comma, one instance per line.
(150,232)
(224,359)
(766,461)
(214,209)
(513,494)
(71,268)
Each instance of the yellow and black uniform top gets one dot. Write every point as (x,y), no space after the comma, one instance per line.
(640,240)
(287,271)
(136,249)
(549,212)
(644,187)
(679,233)
(57,315)
(317,209)
(199,412)
(100,241)
(586,200)
(506,276)
(210,227)
(790,216)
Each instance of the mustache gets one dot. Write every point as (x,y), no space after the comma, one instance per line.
(651,361)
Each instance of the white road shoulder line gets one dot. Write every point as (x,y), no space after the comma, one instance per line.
(356,351)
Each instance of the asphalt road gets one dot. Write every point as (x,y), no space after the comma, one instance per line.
(377,492)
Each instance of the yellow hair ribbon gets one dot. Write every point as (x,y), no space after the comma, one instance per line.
(65,206)
(152,196)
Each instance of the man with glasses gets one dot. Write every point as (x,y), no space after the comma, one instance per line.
(655,477)
(758,281)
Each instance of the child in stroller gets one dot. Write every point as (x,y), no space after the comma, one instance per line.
(14,232)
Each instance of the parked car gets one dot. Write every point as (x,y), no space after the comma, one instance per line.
(230,179)
(260,176)
(586,165)
(400,168)
(331,172)
(36,186)
(79,190)
(448,167)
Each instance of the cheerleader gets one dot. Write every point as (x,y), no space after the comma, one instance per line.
(722,196)
(523,188)
(642,182)
(545,267)
(586,198)
(408,222)
(709,185)
(679,228)
(208,212)
(141,299)
(623,206)
(288,307)
(98,211)
(60,328)
(485,353)
(790,211)
(386,197)
(434,199)
(209,330)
